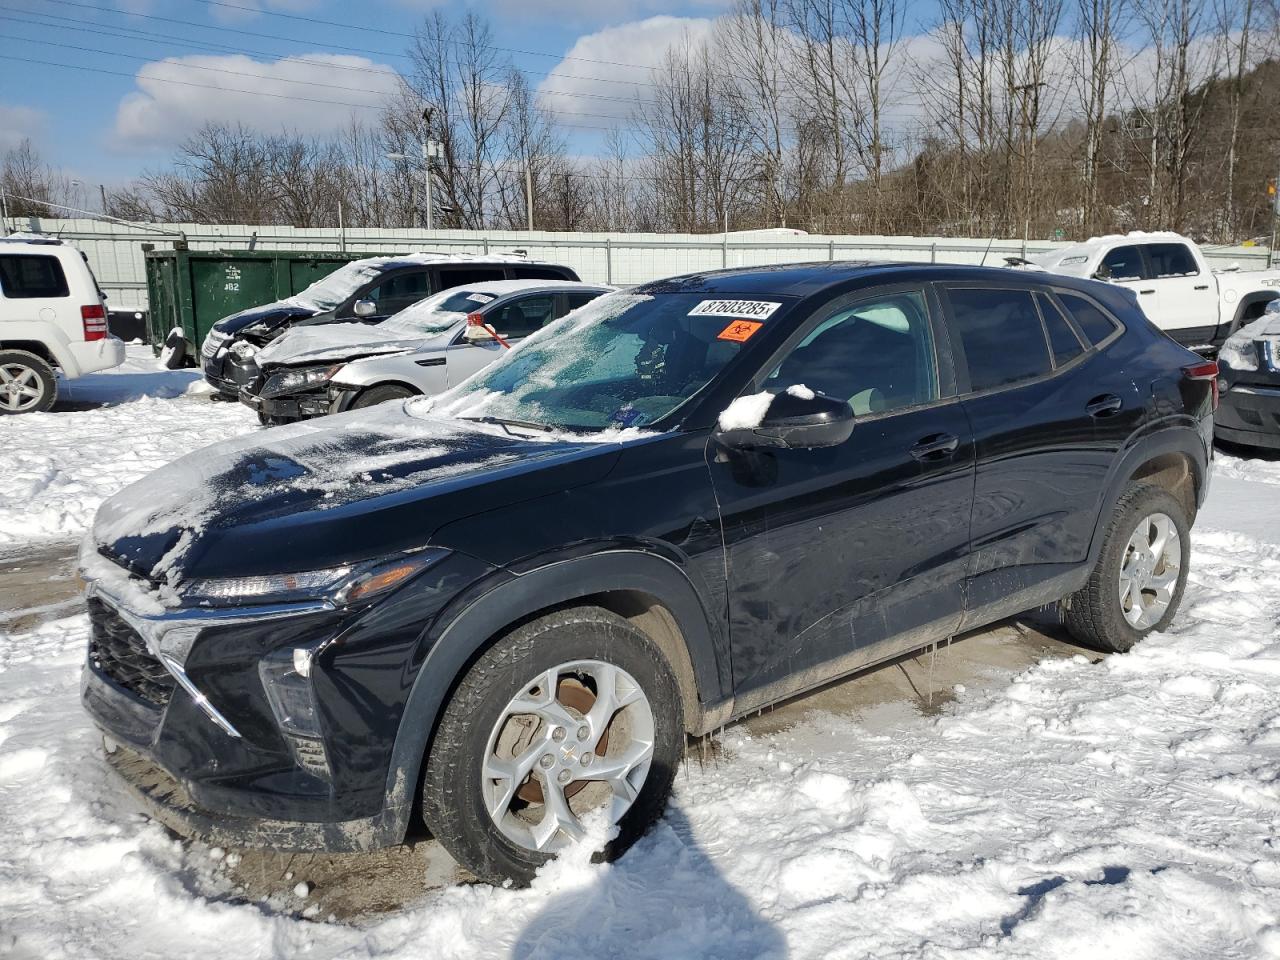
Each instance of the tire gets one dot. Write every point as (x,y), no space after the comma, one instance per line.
(27,383)
(1101,614)
(457,794)
(381,394)
(174,354)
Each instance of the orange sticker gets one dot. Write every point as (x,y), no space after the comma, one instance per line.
(739,331)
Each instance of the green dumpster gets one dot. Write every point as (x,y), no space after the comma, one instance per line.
(194,289)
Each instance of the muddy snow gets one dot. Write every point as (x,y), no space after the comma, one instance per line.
(1125,806)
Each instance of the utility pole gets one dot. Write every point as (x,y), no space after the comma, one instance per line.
(102,192)
(1273,188)
(528,193)
(568,225)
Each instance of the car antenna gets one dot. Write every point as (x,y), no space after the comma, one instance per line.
(987,251)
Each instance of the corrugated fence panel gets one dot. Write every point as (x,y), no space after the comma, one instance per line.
(115,251)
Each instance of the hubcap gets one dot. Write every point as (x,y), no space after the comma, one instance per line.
(1149,571)
(577,738)
(20,387)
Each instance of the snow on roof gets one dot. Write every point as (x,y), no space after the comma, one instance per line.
(503,287)
(39,238)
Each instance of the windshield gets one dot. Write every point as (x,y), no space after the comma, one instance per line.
(624,360)
(332,290)
(436,314)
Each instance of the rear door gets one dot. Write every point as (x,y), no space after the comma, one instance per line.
(842,556)
(1186,298)
(1029,389)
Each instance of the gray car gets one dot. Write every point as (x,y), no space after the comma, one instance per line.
(426,348)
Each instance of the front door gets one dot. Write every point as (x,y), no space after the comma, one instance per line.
(838,557)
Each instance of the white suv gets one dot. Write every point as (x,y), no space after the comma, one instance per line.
(52,316)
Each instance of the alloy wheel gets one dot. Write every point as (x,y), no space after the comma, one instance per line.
(576,739)
(1149,571)
(20,387)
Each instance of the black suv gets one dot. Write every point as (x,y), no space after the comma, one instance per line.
(503,607)
(365,291)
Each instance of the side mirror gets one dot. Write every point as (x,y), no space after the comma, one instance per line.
(477,333)
(365,308)
(795,422)
(1103,273)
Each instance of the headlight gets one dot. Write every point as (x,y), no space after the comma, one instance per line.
(352,583)
(244,349)
(291,381)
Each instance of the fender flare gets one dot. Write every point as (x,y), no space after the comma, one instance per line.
(455,640)
(48,335)
(1170,437)
(1246,301)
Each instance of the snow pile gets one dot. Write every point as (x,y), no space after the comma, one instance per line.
(1125,808)
(60,466)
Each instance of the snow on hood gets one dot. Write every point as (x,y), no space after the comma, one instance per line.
(317,465)
(338,341)
(1240,351)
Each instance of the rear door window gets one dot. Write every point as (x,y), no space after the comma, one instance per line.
(540,273)
(1093,323)
(457,276)
(31,277)
(577,300)
(1066,345)
(1123,263)
(1001,335)
(1171,260)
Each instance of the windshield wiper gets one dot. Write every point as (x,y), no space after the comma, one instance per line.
(506,422)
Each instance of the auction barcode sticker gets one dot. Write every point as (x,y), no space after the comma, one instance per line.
(750,309)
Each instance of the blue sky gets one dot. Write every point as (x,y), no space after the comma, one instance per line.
(103,105)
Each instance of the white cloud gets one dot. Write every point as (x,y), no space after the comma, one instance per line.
(577,85)
(19,123)
(176,96)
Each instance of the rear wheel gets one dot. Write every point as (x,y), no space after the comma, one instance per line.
(376,395)
(573,715)
(1140,575)
(27,383)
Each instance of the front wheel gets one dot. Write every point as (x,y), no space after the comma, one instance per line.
(574,715)
(1141,572)
(381,394)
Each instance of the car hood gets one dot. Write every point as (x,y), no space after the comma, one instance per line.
(324,493)
(269,314)
(342,341)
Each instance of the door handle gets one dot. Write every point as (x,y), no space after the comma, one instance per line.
(1144,292)
(1104,405)
(1202,286)
(936,446)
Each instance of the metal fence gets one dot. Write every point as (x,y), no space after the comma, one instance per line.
(115,251)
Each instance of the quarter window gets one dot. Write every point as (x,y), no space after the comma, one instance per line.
(1066,345)
(877,354)
(28,277)
(1122,263)
(1171,260)
(539,273)
(1001,334)
(1095,324)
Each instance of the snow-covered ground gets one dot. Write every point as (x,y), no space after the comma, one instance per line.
(107,430)
(1128,807)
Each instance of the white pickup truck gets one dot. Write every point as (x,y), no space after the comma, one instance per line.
(1191,302)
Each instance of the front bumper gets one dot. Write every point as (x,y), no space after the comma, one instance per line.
(1249,414)
(295,406)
